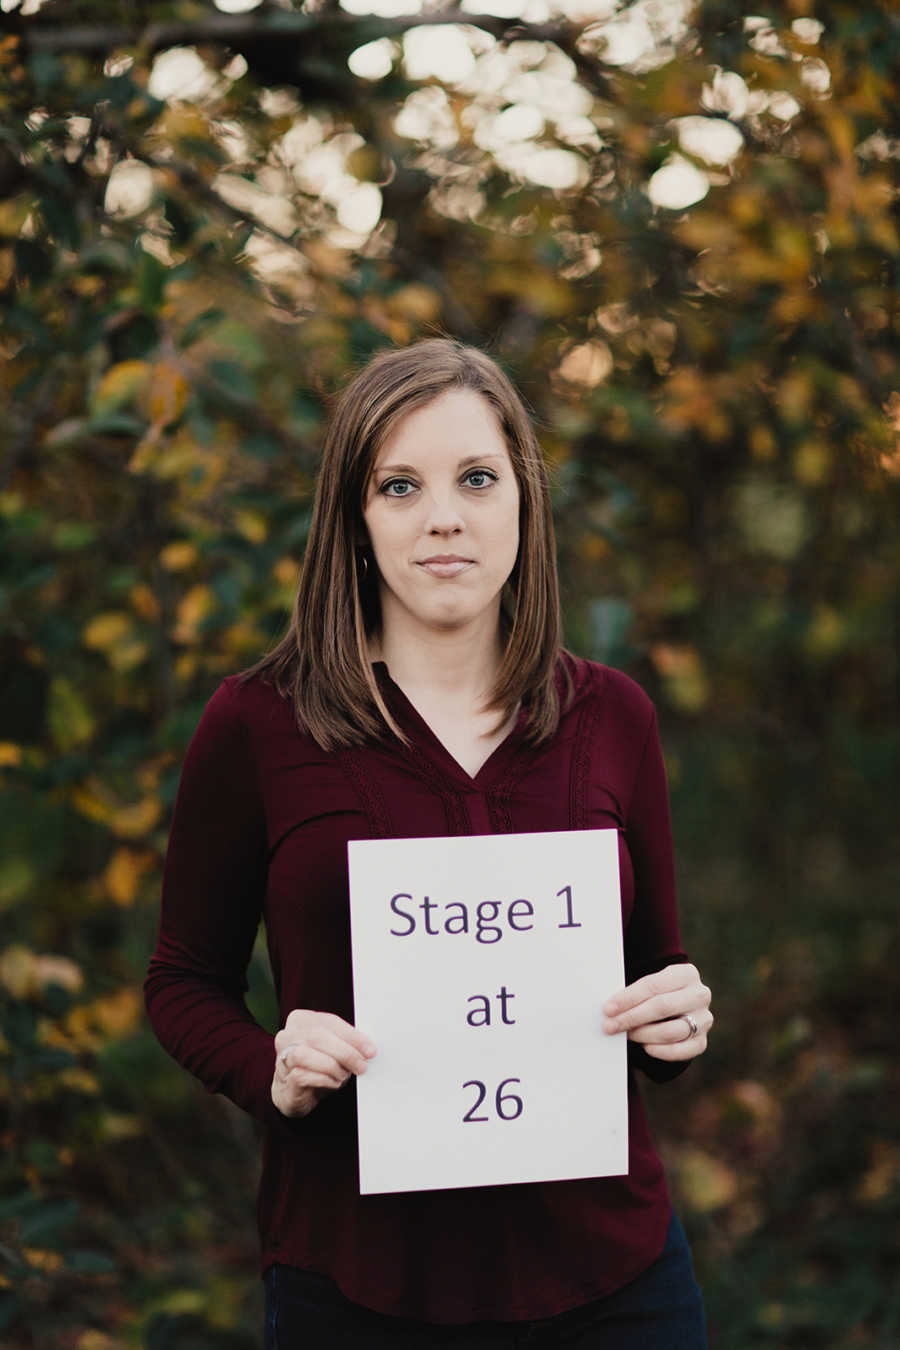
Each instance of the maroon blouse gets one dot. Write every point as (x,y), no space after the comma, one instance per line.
(260,831)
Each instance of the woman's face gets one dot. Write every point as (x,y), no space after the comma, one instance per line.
(442,512)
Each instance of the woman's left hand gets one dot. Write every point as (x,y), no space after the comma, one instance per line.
(667,1013)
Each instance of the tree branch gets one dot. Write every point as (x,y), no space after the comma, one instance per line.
(347,30)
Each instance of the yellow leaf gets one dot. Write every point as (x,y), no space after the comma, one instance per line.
(10,754)
(193,608)
(415,301)
(113,634)
(167,393)
(50,1033)
(13,214)
(883,1173)
(128,654)
(243,638)
(792,245)
(40,1259)
(17,971)
(183,1301)
(545,294)
(92,803)
(145,452)
(826,633)
(706,1183)
(331,262)
(683,673)
(107,629)
(178,555)
(131,822)
(115,1125)
(252,525)
(179,457)
(121,385)
(87,286)
(144,601)
(594,548)
(286,572)
(365,163)
(794,395)
(96,1340)
(186,666)
(79,1080)
(119,1013)
(762,442)
(182,121)
(812,462)
(123,874)
(79,1027)
(794,303)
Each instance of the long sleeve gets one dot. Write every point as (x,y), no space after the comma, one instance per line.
(652,939)
(213,884)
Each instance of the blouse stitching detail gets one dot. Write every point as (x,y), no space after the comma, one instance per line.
(371,796)
(499,797)
(582,755)
(455,813)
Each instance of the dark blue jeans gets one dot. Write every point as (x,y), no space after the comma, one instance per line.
(659,1310)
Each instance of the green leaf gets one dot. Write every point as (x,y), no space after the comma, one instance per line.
(48,1222)
(69,715)
(89,1263)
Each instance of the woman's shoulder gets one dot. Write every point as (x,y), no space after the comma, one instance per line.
(249,702)
(609,689)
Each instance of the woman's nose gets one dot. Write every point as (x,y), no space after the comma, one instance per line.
(443,516)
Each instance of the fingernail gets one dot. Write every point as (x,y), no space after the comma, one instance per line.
(369,1049)
(611,1007)
(610,1027)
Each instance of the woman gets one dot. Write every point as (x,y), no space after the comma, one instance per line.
(421,691)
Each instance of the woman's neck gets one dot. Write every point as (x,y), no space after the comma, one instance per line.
(460,665)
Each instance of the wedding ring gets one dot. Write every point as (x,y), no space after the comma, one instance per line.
(692,1024)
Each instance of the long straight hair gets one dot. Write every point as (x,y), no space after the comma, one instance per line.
(322,663)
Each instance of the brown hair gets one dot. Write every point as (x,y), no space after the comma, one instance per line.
(322,662)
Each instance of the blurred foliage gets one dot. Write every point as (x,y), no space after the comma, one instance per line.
(185,281)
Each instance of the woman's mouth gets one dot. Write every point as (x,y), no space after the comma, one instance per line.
(445,565)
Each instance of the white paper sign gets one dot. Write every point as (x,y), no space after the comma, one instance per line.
(480,968)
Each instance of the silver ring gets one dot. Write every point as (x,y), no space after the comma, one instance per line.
(692,1024)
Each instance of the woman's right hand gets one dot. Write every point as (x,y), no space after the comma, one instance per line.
(316,1052)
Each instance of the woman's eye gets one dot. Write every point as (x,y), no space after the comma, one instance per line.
(397,487)
(480,478)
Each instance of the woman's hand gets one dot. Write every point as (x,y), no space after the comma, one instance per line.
(667,1013)
(316,1053)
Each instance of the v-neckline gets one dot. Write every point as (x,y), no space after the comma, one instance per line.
(426,741)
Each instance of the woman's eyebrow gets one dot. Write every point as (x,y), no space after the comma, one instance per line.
(393,468)
(462,464)
(480,459)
